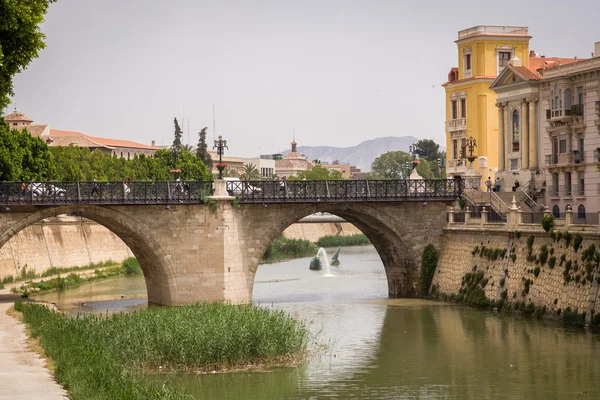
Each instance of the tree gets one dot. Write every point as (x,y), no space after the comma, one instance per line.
(23,157)
(202,149)
(318,173)
(428,149)
(249,172)
(20,40)
(177,138)
(392,165)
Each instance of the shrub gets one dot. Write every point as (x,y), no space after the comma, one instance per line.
(552,262)
(573,318)
(428,266)
(536,271)
(543,256)
(131,266)
(283,248)
(547,222)
(513,257)
(517,234)
(577,239)
(567,237)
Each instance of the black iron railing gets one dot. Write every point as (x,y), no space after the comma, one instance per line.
(344,190)
(116,193)
(120,193)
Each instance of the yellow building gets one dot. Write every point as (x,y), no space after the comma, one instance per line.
(483,52)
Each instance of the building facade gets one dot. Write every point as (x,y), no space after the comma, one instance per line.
(483,53)
(292,163)
(53,137)
(570,136)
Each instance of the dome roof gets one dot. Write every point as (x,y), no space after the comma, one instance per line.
(17,117)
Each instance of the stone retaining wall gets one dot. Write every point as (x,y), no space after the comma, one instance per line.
(314,231)
(60,242)
(552,288)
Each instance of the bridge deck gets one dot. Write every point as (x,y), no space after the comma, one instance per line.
(195,192)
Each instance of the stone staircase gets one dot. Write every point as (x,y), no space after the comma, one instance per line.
(500,201)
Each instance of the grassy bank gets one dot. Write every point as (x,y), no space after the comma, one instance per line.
(128,267)
(284,249)
(28,274)
(98,357)
(340,241)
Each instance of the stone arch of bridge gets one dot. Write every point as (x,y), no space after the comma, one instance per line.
(161,282)
(398,242)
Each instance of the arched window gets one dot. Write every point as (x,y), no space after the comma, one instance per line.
(556,211)
(567,99)
(581,212)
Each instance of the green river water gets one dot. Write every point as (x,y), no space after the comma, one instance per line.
(382,348)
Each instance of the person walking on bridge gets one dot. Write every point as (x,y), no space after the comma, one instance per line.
(95,190)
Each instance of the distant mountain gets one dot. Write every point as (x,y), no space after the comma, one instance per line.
(361,155)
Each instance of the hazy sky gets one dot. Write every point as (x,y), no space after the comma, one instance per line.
(338,72)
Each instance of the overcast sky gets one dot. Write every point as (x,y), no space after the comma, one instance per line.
(336,72)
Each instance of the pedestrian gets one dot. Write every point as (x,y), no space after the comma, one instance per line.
(95,190)
(497,185)
(488,184)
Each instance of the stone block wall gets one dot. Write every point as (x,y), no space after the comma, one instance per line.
(60,242)
(313,232)
(549,273)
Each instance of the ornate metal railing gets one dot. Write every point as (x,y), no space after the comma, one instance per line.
(344,190)
(120,193)
(103,193)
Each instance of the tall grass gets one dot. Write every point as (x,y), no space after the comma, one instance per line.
(99,357)
(283,248)
(337,241)
(64,270)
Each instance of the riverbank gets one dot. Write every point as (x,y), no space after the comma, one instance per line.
(78,276)
(287,249)
(22,372)
(108,357)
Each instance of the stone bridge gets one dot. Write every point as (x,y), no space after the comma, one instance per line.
(210,250)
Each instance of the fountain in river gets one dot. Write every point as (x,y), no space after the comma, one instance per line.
(321,260)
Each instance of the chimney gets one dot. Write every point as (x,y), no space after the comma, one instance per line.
(532,53)
(543,56)
(154,143)
(597,49)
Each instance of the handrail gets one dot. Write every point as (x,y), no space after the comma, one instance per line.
(194,192)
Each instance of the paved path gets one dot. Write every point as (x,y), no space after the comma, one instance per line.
(22,372)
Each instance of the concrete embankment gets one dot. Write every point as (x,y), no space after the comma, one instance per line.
(60,242)
(551,272)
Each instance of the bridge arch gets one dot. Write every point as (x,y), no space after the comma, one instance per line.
(161,279)
(399,233)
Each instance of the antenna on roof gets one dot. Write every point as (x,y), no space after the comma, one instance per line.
(189,142)
(214,123)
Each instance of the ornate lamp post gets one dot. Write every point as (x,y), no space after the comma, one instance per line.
(220,145)
(442,166)
(471,144)
(412,149)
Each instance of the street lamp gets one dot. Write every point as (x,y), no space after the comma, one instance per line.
(471,144)
(442,166)
(220,145)
(412,149)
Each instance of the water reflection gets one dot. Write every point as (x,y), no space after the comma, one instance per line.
(389,349)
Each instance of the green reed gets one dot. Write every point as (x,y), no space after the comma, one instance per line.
(337,241)
(100,357)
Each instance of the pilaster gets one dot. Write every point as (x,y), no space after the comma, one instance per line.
(501,151)
(524,135)
(533,142)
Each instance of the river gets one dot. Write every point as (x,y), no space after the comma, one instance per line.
(382,348)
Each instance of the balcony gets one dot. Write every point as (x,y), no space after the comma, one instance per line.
(458,166)
(564,114)
(567,159)
(459,124)
(494,31)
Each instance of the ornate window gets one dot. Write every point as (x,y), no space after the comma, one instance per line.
(567,99)
(556,211)
(515,130)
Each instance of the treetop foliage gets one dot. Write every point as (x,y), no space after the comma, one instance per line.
(25,158)
(20,40)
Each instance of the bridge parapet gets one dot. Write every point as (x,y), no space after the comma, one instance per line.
(196,192)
